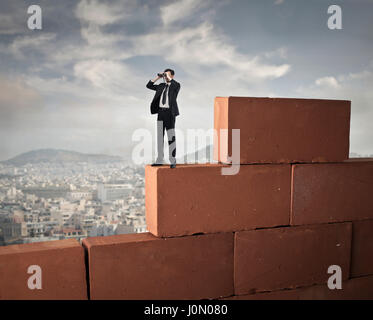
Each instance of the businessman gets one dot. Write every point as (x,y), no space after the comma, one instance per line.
(164,103)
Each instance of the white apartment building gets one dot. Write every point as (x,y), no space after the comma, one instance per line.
(110,192)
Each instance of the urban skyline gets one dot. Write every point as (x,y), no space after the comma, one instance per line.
(52,201)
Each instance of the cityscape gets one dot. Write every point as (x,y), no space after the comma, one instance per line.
(44,197)
(50,194)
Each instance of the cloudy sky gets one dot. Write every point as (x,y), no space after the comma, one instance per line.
(79,83)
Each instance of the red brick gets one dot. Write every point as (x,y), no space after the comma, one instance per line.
(332,192)
(283,129)
(289,257)
(353,289)
(142,266)
(199,199)
(362,248)
(62,268)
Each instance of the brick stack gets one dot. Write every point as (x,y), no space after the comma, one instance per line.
(52,270)
(296,207)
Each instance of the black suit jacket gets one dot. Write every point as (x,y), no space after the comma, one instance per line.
(173,90)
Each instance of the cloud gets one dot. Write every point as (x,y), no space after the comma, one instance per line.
(99,13)
(81,85)
(98,59)
(279,53)
(13,18)
(82,115)
(20,104)
(22,44)
(203,46)
(193,47)
(327,82)
(96,38)
(9,26)
(113,79)
(181,9)
(96,98)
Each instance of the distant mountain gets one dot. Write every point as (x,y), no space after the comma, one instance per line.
(59,156)
(65,156)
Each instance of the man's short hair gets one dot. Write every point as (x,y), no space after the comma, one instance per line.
(172,71)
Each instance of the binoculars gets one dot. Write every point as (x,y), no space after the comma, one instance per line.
(161,74)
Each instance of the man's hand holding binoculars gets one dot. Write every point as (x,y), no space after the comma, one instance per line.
(162,75)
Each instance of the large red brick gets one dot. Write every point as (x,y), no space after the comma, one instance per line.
(289,257)
(199,199)
(353,289)
(282,129)
(142,266)
(332,192)
(362,248)
(63,273)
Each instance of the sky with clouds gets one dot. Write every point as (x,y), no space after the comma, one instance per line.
(79,83)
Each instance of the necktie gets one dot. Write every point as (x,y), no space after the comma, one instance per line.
(164,94)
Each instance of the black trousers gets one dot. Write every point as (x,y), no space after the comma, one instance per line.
(166,121)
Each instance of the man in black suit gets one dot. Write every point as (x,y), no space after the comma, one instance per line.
(164,103)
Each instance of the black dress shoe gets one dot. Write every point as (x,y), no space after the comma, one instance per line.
(172,166)
(156,164)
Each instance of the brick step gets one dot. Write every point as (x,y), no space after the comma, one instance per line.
(287,130)
(199,199)
(60,267)
(142,266)
(270,259)
(332,192)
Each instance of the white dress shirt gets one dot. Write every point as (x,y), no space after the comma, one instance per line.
(166,105)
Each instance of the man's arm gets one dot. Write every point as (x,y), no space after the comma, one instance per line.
(177,89)
(150,85)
